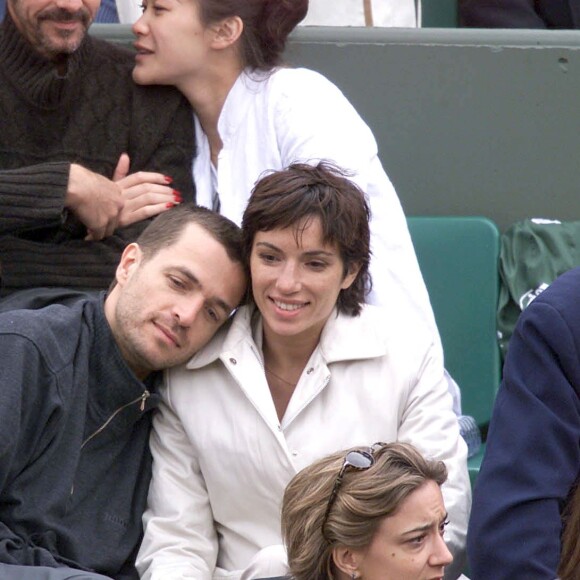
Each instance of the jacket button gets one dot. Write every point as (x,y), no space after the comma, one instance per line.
(233,361)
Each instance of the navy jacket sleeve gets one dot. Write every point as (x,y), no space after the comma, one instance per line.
(25,382)
(500,14)
(533,453)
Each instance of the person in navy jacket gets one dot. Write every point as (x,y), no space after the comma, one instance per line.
(519,13)
(532,459)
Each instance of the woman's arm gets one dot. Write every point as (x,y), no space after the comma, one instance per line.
(314,121)
(180,538)
(428,422)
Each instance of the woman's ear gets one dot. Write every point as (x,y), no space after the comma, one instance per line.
(346,560)
(351,275)
(227,32)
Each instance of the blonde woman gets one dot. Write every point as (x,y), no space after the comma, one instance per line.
(369,513)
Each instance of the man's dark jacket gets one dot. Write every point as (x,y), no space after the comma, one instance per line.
(74,457)
(519,13)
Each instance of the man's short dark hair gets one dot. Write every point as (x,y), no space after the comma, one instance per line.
(166,229)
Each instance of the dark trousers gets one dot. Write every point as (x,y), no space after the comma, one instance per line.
(10,572)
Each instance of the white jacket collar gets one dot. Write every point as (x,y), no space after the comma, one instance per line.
(238,102)
(343,338)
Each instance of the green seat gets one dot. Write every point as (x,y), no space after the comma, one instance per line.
(439,14)
(458,257)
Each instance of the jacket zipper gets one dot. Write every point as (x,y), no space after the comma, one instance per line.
(144,396)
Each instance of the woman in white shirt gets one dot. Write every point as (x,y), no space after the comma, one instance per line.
(303,370)
(253,115)
(395,13)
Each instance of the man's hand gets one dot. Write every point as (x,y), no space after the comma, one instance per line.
(95,200)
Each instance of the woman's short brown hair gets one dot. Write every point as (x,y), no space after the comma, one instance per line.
(363,500)
(293,196)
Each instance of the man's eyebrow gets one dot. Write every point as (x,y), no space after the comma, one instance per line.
(187,274)
(216,300)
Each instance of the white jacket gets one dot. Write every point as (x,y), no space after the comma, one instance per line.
(222,459)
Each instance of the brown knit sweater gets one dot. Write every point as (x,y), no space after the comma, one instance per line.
(89,116)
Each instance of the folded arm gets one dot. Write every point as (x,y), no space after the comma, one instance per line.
(532,457)
(499,14)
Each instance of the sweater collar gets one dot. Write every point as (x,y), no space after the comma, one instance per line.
(34,76)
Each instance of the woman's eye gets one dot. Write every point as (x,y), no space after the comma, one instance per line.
(268,258)
(417,540)
(316,265)
(443,526)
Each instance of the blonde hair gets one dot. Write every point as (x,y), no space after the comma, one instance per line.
(364,499)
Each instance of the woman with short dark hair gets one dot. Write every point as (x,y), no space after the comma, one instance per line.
(302,370)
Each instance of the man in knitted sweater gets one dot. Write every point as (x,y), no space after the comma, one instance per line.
(86,157)
(78,385)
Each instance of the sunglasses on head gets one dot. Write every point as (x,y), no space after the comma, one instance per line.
(357,460)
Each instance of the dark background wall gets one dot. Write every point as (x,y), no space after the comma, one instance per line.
(468,122)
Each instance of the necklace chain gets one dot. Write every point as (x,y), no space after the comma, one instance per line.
(279,377)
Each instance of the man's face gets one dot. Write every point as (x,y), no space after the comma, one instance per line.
(53,27)
(163,310)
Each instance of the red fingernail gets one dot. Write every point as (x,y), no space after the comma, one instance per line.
(168,179)
(169,204)
(177,196)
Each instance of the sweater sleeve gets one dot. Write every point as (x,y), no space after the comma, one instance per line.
(62,260)
(38,247)
(23,434)
(499,14)
(32,197)
(533,455)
